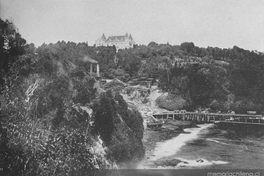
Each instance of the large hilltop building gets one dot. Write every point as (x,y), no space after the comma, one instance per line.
(120,42)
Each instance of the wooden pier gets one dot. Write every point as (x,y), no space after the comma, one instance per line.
(211,117)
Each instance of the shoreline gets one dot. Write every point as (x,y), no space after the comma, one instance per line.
(170,129)
(162,156)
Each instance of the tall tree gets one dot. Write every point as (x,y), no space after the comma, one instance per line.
(11,46)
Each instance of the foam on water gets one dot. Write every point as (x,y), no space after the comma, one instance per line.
(172,146)
(216,141)
(195,163)
(188,164)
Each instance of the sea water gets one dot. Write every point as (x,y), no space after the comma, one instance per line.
(212,147)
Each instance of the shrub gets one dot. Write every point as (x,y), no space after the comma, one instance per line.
(48,132)
(171,103)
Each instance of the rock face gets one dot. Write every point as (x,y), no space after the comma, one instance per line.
(136,99)
(120,127)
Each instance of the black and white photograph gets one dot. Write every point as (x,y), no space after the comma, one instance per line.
(131,87)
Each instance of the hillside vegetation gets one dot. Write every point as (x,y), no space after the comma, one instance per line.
(58,113)
(215,78)
(60,121)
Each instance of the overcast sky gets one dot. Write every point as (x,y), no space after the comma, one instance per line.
(218,23)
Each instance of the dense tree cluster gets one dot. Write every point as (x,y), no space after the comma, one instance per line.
(221,79)
(12,45)
(226,79)
(49,92)
(49,132)
(47,87)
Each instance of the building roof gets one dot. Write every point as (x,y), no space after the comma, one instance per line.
(121,40)
(112,38)
(117,38)
(103,37)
